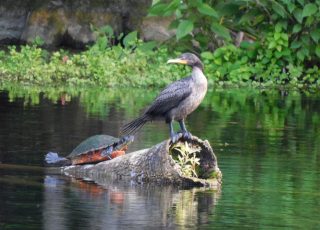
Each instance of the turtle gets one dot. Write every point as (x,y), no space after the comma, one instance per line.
(94,149)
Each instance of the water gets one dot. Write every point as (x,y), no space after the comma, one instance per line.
(267,143)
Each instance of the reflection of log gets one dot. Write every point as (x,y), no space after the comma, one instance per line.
(124,206)
(153,165)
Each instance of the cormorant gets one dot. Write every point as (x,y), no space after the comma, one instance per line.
(176,101)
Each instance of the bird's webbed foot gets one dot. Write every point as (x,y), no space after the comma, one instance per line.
(175,137)
(186,135)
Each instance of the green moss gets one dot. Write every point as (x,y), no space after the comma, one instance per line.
(214,175)
(52,18)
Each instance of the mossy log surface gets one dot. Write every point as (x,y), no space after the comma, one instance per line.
(153,165)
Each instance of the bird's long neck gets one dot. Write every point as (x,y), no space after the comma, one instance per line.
(198,65)
(199,78)
(197,72)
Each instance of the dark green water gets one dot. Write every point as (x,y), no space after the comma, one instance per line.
(267,143)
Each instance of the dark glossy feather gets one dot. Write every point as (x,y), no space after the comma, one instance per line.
(135,125)
(170,97)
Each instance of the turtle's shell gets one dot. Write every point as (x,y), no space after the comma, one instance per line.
(92,144)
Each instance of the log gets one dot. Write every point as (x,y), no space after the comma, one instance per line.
(153,165)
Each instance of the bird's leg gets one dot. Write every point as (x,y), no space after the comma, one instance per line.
(174,136)
(185,133)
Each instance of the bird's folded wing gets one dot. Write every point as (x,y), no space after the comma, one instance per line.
(170,97)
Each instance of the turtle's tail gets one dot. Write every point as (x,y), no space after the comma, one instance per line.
(53,159)
(134,126)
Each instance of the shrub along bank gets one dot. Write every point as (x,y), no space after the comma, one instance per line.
(270,62)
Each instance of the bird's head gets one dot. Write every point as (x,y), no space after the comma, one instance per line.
(187,59)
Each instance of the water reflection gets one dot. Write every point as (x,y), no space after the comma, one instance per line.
(75,204)
(235,120)
(267,143)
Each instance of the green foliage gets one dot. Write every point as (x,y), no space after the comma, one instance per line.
(184,28)
(133,64)
(185,156)
(38,41)
(194,21)
(301,24)
(280,47)
(268,62)
(284,37)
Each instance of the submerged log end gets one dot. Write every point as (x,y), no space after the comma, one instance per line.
(157,164)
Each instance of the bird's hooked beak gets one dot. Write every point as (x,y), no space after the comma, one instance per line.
(177,61)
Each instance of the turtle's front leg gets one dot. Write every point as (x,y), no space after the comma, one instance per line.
(118,153)
(107,152)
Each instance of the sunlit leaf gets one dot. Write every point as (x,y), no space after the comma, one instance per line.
(171,8)
(298,15)
(278,27)
(130,39)
(184,28)
(309,10)
(157,9)
(220,30)
(107,30)
(296,28)
(207,10)
(148,46)
(279,9)
(207,55)
(291,7)
(285,37)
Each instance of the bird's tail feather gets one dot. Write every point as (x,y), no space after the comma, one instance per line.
(133,126)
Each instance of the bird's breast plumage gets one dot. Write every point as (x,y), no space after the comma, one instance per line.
(198,86)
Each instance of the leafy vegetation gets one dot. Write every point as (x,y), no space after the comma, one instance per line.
(241,42)
(103,64)
(186,157)
(271,42)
